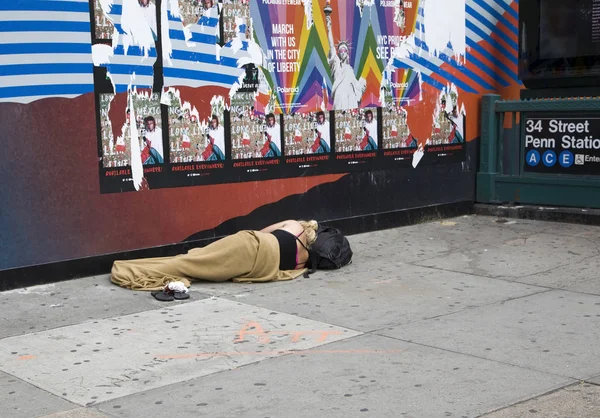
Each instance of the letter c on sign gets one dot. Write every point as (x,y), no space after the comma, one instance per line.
(549,158)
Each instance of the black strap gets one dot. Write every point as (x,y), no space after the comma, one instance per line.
(313,257)
(301,243)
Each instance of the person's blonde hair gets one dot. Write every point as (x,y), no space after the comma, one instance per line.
(310,229)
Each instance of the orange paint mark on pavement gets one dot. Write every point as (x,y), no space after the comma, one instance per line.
(254,328)
(28,357)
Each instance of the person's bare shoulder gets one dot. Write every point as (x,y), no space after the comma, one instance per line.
(278,225)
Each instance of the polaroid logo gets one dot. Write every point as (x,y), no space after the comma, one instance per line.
(288,89)
(399,85)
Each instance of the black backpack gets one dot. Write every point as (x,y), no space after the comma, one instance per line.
(331,250)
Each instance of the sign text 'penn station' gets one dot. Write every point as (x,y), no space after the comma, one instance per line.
(573,134)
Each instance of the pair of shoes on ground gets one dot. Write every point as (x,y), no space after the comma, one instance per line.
(169,295)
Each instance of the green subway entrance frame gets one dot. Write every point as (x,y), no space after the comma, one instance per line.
(501,178)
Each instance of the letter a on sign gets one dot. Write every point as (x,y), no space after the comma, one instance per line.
(533,159)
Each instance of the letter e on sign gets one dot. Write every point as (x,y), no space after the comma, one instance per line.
(566,159)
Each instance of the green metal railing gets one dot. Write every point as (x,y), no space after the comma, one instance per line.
(501,178)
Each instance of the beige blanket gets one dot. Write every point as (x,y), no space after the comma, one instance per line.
(248,256)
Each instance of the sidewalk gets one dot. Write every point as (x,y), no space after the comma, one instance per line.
(458,318)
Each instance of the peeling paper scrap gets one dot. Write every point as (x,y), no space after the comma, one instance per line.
(443,22)
(137,170)
(417,156)
(101,54)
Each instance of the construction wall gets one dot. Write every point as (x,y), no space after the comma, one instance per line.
(130,124)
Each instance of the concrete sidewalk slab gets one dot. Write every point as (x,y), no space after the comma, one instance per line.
(115,357)
(520,257)
(590,232)
(367,376)
(555,332)
(297,348)
(16,399)
(591,286)
(579,276)
(577,401)
(532,226)
(385,297)
(77,413)
(423,241)
(70,302)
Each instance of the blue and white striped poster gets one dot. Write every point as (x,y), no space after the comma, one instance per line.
(45,49)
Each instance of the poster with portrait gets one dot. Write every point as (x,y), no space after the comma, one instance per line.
(197,149)
(130,129)
(447,143)
(398,144)
(395,132)
(256,145)
(307,141)
(148,121)
(356,137)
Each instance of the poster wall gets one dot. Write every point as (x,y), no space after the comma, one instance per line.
(289,88)
(102,55)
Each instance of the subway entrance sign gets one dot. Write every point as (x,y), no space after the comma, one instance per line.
(562,144)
